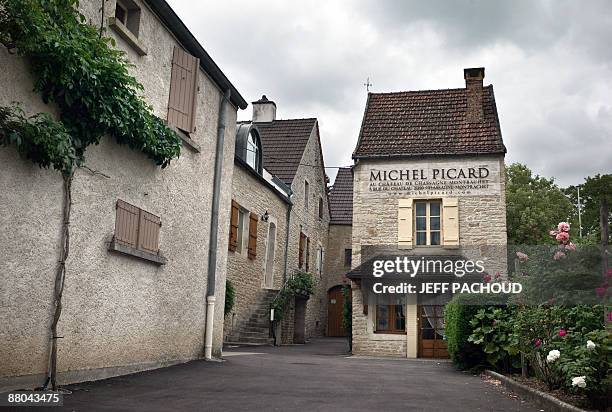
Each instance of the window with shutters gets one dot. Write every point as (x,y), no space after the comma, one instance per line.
(302,250)
(183,91)
(242,230)
(427,222)
(136,232)
(307,258)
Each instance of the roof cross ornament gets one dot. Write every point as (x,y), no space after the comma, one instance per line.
(367,84)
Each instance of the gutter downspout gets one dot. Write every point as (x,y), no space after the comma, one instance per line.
(214,230)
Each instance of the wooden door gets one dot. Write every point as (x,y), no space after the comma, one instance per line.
(431,332)
(335,308)
(299,320)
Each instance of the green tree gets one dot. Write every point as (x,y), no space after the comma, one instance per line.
(534,205)
(592,192)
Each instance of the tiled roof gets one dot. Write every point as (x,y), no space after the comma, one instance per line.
(429,122)
(341,198)
(283,143)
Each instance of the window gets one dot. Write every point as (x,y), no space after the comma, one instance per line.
(348,257)
(427,222)
(304,254)
(252,152)
(271,246)
(306,193)
(307,263)
(243,231)
(128,13)
(183,91)
(320,256)
(390,318)
(320,208)
(136,232)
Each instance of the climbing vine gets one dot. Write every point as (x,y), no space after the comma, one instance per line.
(300,284)
(87,79)
(77,69)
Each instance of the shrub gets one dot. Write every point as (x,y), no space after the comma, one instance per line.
(230,297)
(300,284)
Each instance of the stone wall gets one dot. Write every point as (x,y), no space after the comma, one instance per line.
(120,314)
(308,221)
(247,275)
(482,234)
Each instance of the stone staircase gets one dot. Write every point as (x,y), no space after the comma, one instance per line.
(256,329)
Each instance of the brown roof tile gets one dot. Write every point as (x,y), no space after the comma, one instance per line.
(341,198)
(283,143)
(428,122)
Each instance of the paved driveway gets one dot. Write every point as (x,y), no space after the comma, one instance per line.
(314,377)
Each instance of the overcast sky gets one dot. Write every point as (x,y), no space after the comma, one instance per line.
(550,63)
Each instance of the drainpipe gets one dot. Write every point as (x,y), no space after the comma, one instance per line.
(214,229)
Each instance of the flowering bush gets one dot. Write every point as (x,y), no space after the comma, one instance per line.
(493,330)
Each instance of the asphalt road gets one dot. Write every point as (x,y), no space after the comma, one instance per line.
(319,376)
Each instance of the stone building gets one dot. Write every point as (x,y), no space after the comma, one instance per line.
(280,204)
(428,181)
(339,254)
(129,305)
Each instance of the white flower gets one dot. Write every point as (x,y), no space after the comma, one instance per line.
(591,345)
(579,381)
(553,355)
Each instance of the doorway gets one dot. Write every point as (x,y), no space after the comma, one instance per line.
(335,310)
(299,320)
(431,332)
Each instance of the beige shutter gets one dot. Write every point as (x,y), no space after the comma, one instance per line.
(450,221)
(233,235)
(127,221)
(252,252)
(404,224)
(148,232)
(183,90)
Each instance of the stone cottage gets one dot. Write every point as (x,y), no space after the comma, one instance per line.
(147,266)
(428,181)
(280,218)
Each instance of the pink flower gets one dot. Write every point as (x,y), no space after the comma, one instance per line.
(609,273)
(522,257)
(494,322)
(553,233)
(601,291)
(570,246)
(563,227)
(538,343)
(559,255)
(486,278)
(562,332)
(562,237)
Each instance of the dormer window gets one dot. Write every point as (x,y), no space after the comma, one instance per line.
(248,147)
(252,154)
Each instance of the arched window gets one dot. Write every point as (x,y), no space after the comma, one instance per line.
(252,154)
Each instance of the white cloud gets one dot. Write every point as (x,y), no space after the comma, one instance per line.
(549,61)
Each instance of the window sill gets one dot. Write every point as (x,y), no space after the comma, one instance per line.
(130,251)
(127,35)
(385,332)
(188,141)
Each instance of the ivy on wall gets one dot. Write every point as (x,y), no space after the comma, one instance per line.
(76,67)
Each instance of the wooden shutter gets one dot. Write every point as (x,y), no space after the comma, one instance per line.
(233,234)
(307,253)
(253,235)
(137,228)
(404,224)
(301,254)
(126,224)
(450,221)
(183,90)
(148,232)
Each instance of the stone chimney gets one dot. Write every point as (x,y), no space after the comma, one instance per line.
(473,85)
(264,110)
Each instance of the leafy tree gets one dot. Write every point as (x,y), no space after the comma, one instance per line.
(592,192)
(534,205)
